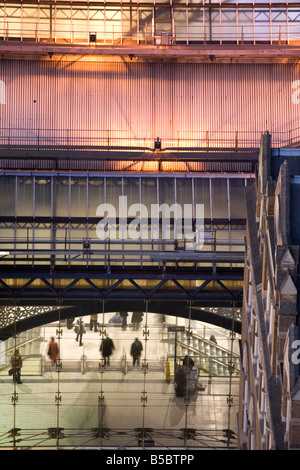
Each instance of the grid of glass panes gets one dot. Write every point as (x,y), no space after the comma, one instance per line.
(79,402)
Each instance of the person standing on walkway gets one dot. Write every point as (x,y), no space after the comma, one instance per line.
(136,319)
(79,330)
(16,365)
(107,346)
(53,350)
(94,322)
(136,351)
(124,316)
(188,362)
(180,381)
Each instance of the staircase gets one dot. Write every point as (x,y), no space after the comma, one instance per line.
(209,358)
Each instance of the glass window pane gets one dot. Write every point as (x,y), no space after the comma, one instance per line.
(113,192)
(61,197)
(43,196)
(166,191)
(7,195)
(25,196)
(95,194)
(202,194)
(237,198)
(78,197)
(219,198)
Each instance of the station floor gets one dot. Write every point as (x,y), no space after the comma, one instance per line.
(84,407)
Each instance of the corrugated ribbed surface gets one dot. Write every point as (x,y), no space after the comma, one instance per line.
(94,103)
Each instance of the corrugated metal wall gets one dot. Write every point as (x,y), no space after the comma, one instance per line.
(188,104)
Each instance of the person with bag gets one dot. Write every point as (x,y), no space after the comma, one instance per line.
(53,350)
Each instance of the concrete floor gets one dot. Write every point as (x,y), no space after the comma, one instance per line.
(81,400)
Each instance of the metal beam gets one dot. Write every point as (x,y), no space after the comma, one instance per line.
(28,314)
(278,53)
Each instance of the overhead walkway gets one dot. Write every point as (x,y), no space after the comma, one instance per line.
(207,30)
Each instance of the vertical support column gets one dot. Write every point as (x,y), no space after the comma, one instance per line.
(220,21)
(237,22)
(58,396)
(69,224)
(271,26)
(33,223)
(104,14)
(55,11)
(4,23)
(14,398)
(101,393)
(144,398)
(287,23)
(187,371)
(187,23)
(50,21)
(203,22)
(137,22)
(229,221)
(16,211)
(231,371)
(71,25)
(21,22)
(88,22)
(87,216)
(253,22)
(121,11)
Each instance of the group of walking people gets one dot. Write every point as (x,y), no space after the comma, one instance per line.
(117,318)
(107,347)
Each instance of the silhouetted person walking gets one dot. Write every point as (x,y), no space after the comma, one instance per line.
(136,351)
(124,316)
(79,330)
(107,346)
(94,322)
(53,350)
(16,365)
(136,319)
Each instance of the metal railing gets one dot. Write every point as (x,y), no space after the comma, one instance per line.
(107,252)
(97,23)
(45,138)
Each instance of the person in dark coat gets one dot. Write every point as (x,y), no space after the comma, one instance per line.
(124,316)
(136,319)
(107,346)
(16,365)
(53,350)
(94,322)
(180,379)
(79,330)
(188,362)
(136,351)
